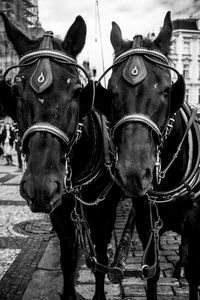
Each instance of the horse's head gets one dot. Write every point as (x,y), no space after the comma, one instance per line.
(139,102)
(46,96)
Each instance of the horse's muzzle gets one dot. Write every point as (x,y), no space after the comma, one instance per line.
(42,195)
(133,182)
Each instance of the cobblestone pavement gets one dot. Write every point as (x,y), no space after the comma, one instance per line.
(29,254)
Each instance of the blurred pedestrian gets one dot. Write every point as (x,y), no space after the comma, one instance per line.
(8,138)
(18,148)
(1,145)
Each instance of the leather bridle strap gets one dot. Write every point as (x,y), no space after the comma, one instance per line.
(56,55)
(153,56)
(62,58)
(148,54)
(45,127)
(137,117)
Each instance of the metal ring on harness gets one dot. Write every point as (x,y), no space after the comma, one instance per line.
(142,272)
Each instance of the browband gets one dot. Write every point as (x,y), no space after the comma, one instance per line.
(47,53)
(141,51)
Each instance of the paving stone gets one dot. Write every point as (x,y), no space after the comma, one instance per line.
(135,290)
(44,285)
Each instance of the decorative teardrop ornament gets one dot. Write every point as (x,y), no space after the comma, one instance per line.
(41,78)
(135,71)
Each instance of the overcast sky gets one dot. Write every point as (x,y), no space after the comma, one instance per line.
(133,17)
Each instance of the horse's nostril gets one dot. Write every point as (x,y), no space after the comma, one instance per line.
(55,188)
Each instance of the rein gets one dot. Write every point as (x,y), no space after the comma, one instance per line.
(190,184)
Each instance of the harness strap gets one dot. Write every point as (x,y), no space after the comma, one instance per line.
(191,121)
(192,178)
(45,127)
(118,266)
(138,117)
(146,270)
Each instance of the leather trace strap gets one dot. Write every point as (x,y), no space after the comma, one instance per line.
(45,127)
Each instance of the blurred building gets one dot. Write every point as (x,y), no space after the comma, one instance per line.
(24,14)
(185,54)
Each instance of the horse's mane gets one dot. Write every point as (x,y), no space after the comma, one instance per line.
(146,43)
(57,44)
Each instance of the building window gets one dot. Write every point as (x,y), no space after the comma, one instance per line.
(186,71)
(199,46)
(173,47)
(186,46)
(187,95)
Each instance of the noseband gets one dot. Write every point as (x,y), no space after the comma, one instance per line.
(61,58)
(155,57)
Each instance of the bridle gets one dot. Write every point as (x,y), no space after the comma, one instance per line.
(61,58)
(155,57)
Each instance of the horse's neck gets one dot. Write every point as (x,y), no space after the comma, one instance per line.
(87,152)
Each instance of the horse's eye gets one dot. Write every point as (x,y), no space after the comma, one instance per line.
(68,80)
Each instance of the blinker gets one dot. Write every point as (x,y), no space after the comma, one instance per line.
(42,76)
(135,70)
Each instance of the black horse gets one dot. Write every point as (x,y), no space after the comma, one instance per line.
(157,139)
(63,143)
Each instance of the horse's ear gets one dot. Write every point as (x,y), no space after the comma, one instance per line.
(102,101)
(8,103)
(75,37)
(116,37)
(164,37)
(19,40)
(177,94)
